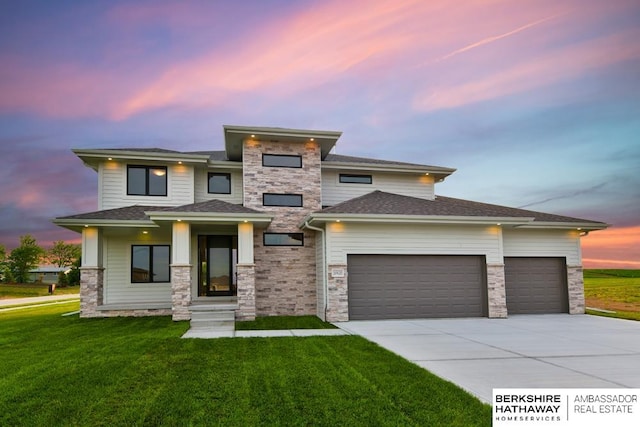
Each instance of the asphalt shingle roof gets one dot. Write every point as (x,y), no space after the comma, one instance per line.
(137,212)
(381,203)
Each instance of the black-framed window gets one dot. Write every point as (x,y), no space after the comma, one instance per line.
(283,239)
(346,178)
(146,180)
(219,183)
(282,160)
(290,200)
(150,263)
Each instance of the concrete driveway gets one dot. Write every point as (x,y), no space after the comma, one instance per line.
(524,351)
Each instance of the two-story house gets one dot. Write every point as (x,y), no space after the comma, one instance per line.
(278,225)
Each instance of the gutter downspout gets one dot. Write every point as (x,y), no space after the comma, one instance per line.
(325,283)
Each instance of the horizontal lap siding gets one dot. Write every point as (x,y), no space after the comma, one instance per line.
(202,183)
(543,243)
(118,288)
(113,183)
(334,192)
(397,239)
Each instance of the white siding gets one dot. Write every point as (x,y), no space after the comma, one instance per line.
(344,238)
(113,191)
(414,185)
(201,186)
(118,288)
(542,243)
(320,275)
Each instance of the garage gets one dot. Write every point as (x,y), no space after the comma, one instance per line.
(536,285)
(416,286)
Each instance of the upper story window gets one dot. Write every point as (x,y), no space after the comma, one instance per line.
(355,179)
(283,239)
(146,180)
(150,263)
(282,160)
(291,200)
(219,183)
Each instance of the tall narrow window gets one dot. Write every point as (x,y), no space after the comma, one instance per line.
(282,160)
(291,200)
(219,183)
(147,180)
(150,263)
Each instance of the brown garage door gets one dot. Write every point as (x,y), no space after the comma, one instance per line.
(416,286)
(536,285)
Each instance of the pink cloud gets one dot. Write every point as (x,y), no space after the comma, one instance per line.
(612,248)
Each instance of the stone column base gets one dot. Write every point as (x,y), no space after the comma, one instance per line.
(575,284)
(496,291)
(337,293)
(180,291)
(91,291)
(246,291)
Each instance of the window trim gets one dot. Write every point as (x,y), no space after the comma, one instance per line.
(150,263)
(265,195)
(147,169)
(264,239)
(353,175)
(264,155)
(210,174)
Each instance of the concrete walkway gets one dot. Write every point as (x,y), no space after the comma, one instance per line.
(191,333)
(525,351)
(37,300)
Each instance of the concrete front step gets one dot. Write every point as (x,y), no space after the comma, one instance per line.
(218,318)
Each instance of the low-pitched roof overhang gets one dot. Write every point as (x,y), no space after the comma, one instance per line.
(234,136)
(93,157)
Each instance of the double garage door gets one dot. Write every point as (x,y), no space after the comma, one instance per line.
(432,286)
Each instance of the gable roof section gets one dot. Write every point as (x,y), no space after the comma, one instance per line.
(146,216)
(379,205)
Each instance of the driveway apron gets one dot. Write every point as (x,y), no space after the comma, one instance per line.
(523,351)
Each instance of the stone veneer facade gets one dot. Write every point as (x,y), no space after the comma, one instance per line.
(91,289)
(285,276)
(337,297)
(181,291)
(496,291)
(246,292)
(575,283)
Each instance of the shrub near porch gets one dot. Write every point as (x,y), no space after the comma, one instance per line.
(58,370)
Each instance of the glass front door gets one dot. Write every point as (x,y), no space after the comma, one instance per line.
(218,256)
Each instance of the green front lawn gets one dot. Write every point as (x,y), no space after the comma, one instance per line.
(614,290)
(58,370)
(33,290)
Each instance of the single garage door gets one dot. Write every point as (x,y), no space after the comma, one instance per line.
(416,286)
(536,285)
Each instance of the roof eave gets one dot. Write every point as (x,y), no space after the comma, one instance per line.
(90,156)
(436,171)
(213,217)
(234,136)
(417,219)
(580,226)
(76,224)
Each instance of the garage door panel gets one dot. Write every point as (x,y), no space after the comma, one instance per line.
(536,285)
(414,286)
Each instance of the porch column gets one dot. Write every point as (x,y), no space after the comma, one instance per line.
(246,285)
(181,271)
(91,272)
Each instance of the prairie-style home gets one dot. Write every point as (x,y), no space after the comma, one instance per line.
(278,225)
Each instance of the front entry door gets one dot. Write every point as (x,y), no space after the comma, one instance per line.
(217,259)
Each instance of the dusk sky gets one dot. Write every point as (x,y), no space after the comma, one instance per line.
(536,103)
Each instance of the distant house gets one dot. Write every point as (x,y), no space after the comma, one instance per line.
(278,225)
(47,273)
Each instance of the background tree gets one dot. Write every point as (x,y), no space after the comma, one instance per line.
(24,258)
(4,270)
(63,254)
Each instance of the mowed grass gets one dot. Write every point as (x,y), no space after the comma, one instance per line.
(284,322)
(33,290)
(58,370)
(614,290)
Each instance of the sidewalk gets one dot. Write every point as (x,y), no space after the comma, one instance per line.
(36,300)
(264,333)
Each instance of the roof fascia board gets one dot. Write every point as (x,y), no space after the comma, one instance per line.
(209,216)
(585,226)
(387,168)
(419,219)
(137,155)
(104,223)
